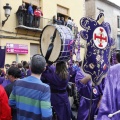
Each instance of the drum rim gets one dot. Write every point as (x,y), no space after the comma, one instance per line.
(60,39)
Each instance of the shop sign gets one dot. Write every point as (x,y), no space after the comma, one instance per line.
(16,48)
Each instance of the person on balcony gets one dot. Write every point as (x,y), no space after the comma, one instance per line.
(30,15)
(37,15)
(21,14)
(69,23)
(59,22)
(54,20)
(63,20)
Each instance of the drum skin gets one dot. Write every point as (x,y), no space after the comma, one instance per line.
(63,43)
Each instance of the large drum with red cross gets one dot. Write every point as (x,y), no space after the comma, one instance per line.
(61,39)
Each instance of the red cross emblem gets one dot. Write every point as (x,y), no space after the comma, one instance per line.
(100,37)
(95,91)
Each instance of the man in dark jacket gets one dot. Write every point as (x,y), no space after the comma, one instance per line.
(14,73)
(21,14)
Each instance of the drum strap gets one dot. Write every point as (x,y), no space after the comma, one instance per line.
(51,45)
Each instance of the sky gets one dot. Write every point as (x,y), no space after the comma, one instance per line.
(116,2)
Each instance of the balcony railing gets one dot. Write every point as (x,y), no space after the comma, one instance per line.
(43,22)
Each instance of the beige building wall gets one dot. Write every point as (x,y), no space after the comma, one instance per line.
(111,13)
(8,33)
(12,21)
(13,57)
(76,8)
(110,10)
(90,8)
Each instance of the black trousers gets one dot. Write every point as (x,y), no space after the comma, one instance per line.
(21,18)
(37,22)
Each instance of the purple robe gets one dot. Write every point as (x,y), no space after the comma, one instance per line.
(85,92)
(1,80)
(5,83)
(111,97)
(28,72)
(3,74)
(22,75)
(72,74)
(72,71)
(59,101)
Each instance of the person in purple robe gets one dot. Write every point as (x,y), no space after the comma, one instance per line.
(1,77)
(73,69)
(72,73)
(5,82)
(1,80)
(58,78)
(84,86)
(110,102)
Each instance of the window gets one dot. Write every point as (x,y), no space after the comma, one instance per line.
(118,42)
(62,10)
(34,49)
(118,21)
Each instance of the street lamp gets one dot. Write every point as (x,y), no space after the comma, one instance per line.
(7,9)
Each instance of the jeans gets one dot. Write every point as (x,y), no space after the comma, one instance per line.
(30,20)
(20,17)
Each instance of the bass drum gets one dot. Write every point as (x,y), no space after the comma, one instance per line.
(63,43)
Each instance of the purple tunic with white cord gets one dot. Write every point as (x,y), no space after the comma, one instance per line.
(59,101)
(85,93)
(111,96)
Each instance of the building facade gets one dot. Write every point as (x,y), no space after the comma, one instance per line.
(111,12)
(13,34)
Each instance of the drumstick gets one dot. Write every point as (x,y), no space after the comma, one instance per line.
(111,115)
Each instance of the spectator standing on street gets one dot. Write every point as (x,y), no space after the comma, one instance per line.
(28,71)
(23,73)
(30,95)
(5,111)
(7,66)
(14,74)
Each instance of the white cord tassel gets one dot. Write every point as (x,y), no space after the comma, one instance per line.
(111,115)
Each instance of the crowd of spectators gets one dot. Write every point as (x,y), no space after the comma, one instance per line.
(22,71)
(28,16)
(61,21)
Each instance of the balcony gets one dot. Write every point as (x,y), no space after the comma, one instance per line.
(24,29)
(34,31)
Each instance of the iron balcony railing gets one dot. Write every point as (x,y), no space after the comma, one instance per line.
(43,22)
